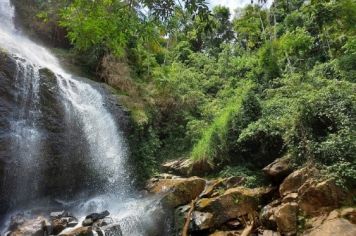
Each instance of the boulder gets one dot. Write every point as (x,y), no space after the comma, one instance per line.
(233,224)
(349,214)
(233,181)
(180,215)
(16,221)
(59,224)
(345,213)
(88,222)
(286,218)
(20,226)
(103,222)
(212,186)
(227,233)
(177,192)
(166,176)
(267,216)
(315,197)
(61,220)
(337,226)
(278,170)
(233,203)
(215,187)
(81,231)
(90,219)
(58,214)
(111,230)
(270,233)
(181,167)
(202,220)
(186,167)
(295,180)
(290,197)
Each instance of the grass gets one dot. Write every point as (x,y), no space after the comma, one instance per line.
(213,143)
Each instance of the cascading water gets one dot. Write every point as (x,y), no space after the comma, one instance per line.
(96,162)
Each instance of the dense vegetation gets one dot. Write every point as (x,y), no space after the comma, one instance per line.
(235,91)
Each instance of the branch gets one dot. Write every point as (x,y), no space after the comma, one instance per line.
(248,229)
(187,221)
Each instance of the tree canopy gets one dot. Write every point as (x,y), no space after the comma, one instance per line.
(232,88)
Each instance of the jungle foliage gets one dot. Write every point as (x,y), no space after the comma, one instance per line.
(231,89)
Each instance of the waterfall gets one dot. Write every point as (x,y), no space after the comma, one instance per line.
(107,149)
(98,163)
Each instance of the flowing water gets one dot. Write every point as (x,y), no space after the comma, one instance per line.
(95,150)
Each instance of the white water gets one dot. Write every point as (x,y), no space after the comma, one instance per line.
(107,146)
(108,152)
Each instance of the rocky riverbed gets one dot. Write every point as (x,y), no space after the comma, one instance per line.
(303,203)
(63,223)
(300,202)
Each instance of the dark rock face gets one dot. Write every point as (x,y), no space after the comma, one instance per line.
(7,101)
(58,159)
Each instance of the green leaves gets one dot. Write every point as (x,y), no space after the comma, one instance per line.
(106,23)
(296,43)
(192,69)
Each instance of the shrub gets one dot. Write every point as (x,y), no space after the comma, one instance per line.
(214,143)
(260,143)
(324,129)
(252,178)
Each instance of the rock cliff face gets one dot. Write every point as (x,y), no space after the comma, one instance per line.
(62,149)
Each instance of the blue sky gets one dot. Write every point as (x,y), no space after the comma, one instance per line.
(232,4)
